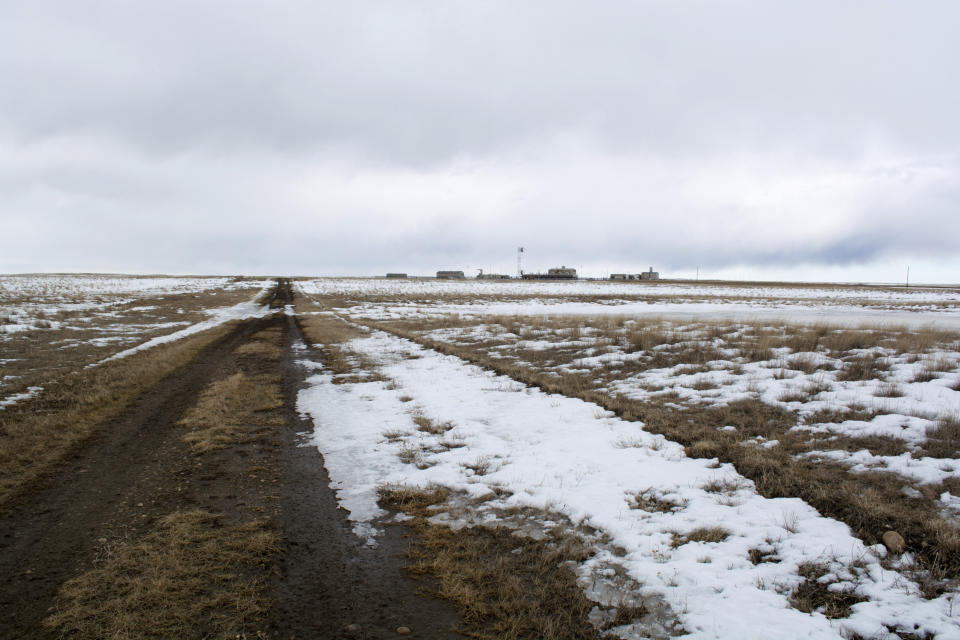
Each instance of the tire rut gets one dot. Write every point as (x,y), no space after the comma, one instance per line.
(328,578)
(53,533)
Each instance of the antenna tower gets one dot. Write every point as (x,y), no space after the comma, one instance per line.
(519,262)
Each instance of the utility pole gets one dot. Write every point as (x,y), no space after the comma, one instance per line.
(698,274)
(519,262)
(908,275)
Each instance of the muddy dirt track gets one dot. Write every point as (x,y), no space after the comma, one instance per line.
(139,469)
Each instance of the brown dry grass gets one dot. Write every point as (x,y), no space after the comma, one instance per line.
(943,440)
(863,367)
(427,425)
(700,534)
(37,434)
(193,576)
(235,409)
(326,329)
(262,345)
(814,595)
(648,501)
(505,586)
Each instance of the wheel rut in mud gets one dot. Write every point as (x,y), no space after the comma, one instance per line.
(328,579)
(138,469)
(102,493)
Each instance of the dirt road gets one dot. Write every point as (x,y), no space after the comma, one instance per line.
(117,486)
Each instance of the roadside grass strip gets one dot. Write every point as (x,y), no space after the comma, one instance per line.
(692,533)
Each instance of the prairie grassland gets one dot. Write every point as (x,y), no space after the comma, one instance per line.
(860,423)
(52,327)
(36,434)
(89,320)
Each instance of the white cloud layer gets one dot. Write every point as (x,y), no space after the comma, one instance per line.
(751,139)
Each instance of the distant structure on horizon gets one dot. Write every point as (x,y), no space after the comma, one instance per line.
(646,275)
(650,275)
(450,275)
(491,276)
(396,275)
(556,273)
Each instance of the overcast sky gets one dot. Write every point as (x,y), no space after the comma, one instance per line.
(761,139)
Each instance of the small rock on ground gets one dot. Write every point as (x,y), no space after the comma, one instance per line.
(894,542)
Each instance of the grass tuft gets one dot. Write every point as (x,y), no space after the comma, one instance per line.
(193,576)
(814,594)
(700,534)
(506,587)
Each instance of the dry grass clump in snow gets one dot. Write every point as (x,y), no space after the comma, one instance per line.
(195,575)
(427,425)
(816,593)
(648,500)
(506,586)
(889,390)
(700,534)
(943,440)
(863,367)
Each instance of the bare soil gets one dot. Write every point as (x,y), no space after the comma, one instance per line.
(138,469)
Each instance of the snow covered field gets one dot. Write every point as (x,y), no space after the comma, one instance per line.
(381,299)
(876,407)
(522,447)
(780,294)
(28,302)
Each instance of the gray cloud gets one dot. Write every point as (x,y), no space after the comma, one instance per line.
(351,138)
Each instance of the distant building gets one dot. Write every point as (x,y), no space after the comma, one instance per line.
(396,275)
(492,276)
(623,276)
(556,273)
(650,275)
(450,275)
(564,273)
